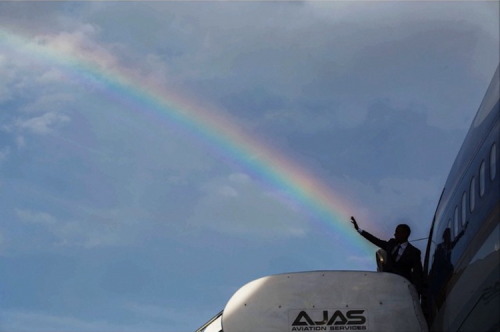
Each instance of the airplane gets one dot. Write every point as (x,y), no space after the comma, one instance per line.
(461,264)
(462,259)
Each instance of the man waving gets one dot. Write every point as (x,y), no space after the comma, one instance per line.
(403,258)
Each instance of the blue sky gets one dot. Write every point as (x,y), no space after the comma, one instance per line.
(115,218)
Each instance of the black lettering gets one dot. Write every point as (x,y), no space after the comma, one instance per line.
(302,315)
(325,318)
(356,317)
(337,315)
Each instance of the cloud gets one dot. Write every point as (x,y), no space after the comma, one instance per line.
(93,229)
(159,313)
(5,93)
(78,44)
(43,124)
(342,64)
(53,101)
(40,321)
(4,154)
(237,205)
(2,241)
(36,217)
(366,96)
(308,76)
(211,50)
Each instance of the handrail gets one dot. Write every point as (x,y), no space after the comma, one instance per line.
(204,326)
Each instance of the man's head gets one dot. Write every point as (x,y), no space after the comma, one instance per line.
(402,233)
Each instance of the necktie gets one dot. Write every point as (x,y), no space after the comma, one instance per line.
(395,253)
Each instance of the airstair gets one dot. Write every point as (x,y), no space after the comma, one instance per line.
(322,301)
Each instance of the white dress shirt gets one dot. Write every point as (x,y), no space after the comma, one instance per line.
(402,248)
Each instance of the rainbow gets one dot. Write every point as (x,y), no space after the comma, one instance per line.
(316,199)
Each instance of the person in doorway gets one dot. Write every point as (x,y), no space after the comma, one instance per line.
(403,258)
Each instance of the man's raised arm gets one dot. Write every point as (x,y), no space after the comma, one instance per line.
(375,240)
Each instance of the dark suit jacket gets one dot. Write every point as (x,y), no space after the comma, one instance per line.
(409,264)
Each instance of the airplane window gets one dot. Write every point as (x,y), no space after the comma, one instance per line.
(472,194)
(482,179)
(455,220)
(493,162)
(464,209)
(450,227)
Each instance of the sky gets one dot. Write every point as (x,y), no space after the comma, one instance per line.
(157,156)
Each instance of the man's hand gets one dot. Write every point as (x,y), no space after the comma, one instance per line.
(354,223)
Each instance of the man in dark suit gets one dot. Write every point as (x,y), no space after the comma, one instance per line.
(402,257)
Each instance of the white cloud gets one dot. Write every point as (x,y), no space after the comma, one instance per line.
(20,141)
(239,178)
(82,47)
(78,44)
(359,53)
(40,321)
(94,228)
(152,312)
(2,241)
(4,154)
(54,101)
(5,93)
(237,205)
(43,124)
(36,217)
